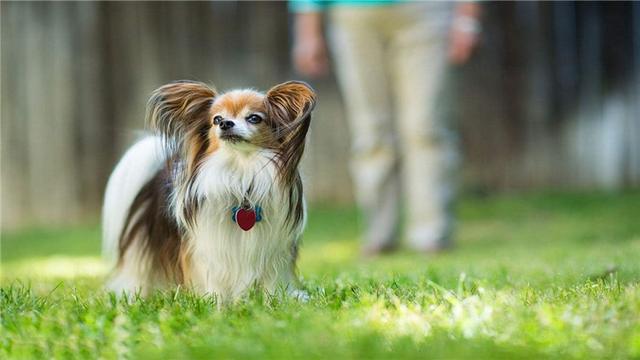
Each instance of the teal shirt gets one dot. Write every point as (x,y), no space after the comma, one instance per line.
(319,5)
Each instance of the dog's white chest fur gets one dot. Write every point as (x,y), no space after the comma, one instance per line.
(225,258)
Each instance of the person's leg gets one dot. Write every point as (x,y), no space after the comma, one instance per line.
(428,152)
(361,70)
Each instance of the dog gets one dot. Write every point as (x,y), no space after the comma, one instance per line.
(212,199)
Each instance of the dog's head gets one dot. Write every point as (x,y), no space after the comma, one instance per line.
(196,121)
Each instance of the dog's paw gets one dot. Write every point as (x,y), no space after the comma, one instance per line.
(300,295)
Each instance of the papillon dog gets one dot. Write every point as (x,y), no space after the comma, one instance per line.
(212,199)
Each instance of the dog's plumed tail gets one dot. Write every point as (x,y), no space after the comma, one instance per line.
(138,166)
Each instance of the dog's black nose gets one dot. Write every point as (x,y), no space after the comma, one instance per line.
(226,124)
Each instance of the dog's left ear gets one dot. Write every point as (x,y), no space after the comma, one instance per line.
(289,107)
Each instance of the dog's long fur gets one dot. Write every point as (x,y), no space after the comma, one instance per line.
(167,212)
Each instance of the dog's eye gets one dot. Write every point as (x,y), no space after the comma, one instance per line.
(254,119)
(217,119)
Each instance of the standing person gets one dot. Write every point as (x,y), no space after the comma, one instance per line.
(390,59)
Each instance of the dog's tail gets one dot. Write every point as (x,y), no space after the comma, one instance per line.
(136,168)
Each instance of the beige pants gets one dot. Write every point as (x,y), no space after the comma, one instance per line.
(390,62)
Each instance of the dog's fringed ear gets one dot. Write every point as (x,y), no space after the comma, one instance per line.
(179,112)
(289,109)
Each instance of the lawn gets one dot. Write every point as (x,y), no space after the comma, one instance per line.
(531,276)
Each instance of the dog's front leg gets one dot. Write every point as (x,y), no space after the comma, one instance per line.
(289,282)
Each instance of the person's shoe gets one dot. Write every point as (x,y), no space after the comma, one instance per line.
(433,239)
(433,247)
(373,250)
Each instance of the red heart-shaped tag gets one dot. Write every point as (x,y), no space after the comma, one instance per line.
(245,218)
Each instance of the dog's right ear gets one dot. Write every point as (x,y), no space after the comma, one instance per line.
(179,112)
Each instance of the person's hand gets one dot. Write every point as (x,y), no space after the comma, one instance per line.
(461,45)
(464,34)
(310,55)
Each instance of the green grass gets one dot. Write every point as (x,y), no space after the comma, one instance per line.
(532,276)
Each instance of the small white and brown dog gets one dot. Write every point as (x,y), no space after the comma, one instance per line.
(213,198)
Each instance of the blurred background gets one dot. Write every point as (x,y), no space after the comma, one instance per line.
(551,99)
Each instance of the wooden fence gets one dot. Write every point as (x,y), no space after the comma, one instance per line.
(551,99)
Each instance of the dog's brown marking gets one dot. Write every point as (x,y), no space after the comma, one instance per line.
(296,203)
(232,104)
(155,229)
(214,143)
